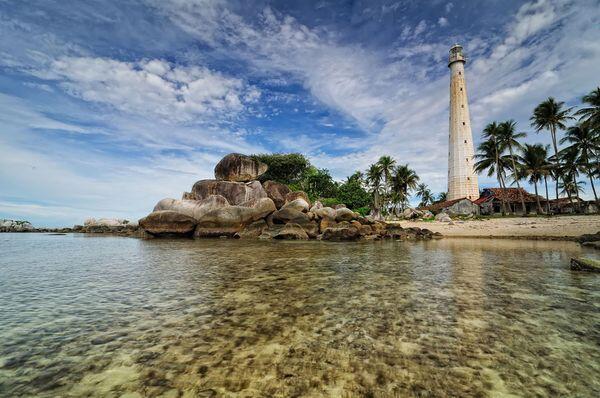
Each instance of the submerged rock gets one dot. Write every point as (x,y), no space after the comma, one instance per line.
(238,167)
(585,264)
(168,222)
(291,231)
(340,233)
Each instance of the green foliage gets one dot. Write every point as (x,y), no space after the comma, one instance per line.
(288,168)
(353,195)
(363,211)
(318,183)
(330,202)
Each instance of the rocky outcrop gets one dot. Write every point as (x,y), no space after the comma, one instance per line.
(236,193)
(15,226)
(443,217)
(251,210)
(168,222)
(276,191)
(239,168)
(463,207)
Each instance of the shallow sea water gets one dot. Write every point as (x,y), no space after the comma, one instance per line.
(120,317)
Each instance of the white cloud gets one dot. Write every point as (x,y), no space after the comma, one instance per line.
(443,21)
(152,87)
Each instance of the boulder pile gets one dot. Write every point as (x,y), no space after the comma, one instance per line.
(235,204)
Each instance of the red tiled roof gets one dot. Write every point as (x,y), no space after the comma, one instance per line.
(507,194)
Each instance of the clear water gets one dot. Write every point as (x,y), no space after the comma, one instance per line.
(109,316)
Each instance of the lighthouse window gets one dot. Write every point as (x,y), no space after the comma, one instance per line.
(462,106)
(465,141)
(460,73)
(463,123)
(468,178)
(461,89)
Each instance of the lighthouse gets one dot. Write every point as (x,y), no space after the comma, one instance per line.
(462,180)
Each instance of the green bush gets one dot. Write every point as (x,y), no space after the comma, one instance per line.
(363,211)
(329,202)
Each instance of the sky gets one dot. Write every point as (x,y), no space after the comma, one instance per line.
(106,107)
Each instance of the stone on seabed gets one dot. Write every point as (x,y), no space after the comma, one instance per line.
(585,264)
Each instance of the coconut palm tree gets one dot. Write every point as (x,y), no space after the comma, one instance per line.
(584,147)
(442,197)
(508,138)
(491,158)
(424,193)
(533,165)
(404,179)
(569,171)
(591,114)
(551,115)
(386,164)
(374,180)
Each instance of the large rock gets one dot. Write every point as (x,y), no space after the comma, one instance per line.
(230,220)
(296,195)
(236,193)
(463,207)
(291,231)
(344,214)
(341,233)
(276,191)
(286,214)
(238,167)
(442,217)
(167,222)
(411,214)
(253,230)
(325,212)
(193,208)
(310,227)
(297,204)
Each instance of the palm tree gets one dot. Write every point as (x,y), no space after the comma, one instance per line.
(591,114)
(507,138)
(374,179)
(491,158)
(584,146)
(568,171)
(424,193)
(533,165)
(550,115)
(404,179)
(442,197)
(386,164)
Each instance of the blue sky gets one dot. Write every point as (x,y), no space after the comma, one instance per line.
(107,107)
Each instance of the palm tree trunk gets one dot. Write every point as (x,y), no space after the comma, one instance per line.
(547,198)
(577,195)
(499,175)
(553,133)
(593,188)
(537,198)
(512,158)
(503,186)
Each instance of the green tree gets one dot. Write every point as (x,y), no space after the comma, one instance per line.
(491,157)
(425,194)
(386,163)
(374,181)
(317,183)
(353,194)
(533,162)
(508,138)
(551,115)
(288,168)
(404,179)
(584,147)
(442,197)
(591,114)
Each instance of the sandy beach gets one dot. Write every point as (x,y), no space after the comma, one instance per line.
(560,227)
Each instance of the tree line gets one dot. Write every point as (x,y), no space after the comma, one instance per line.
(502,154)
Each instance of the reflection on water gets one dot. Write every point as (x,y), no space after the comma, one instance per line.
(103,316)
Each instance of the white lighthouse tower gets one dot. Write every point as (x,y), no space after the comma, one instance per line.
(462,179)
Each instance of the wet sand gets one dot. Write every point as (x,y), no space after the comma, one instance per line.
(560,227)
